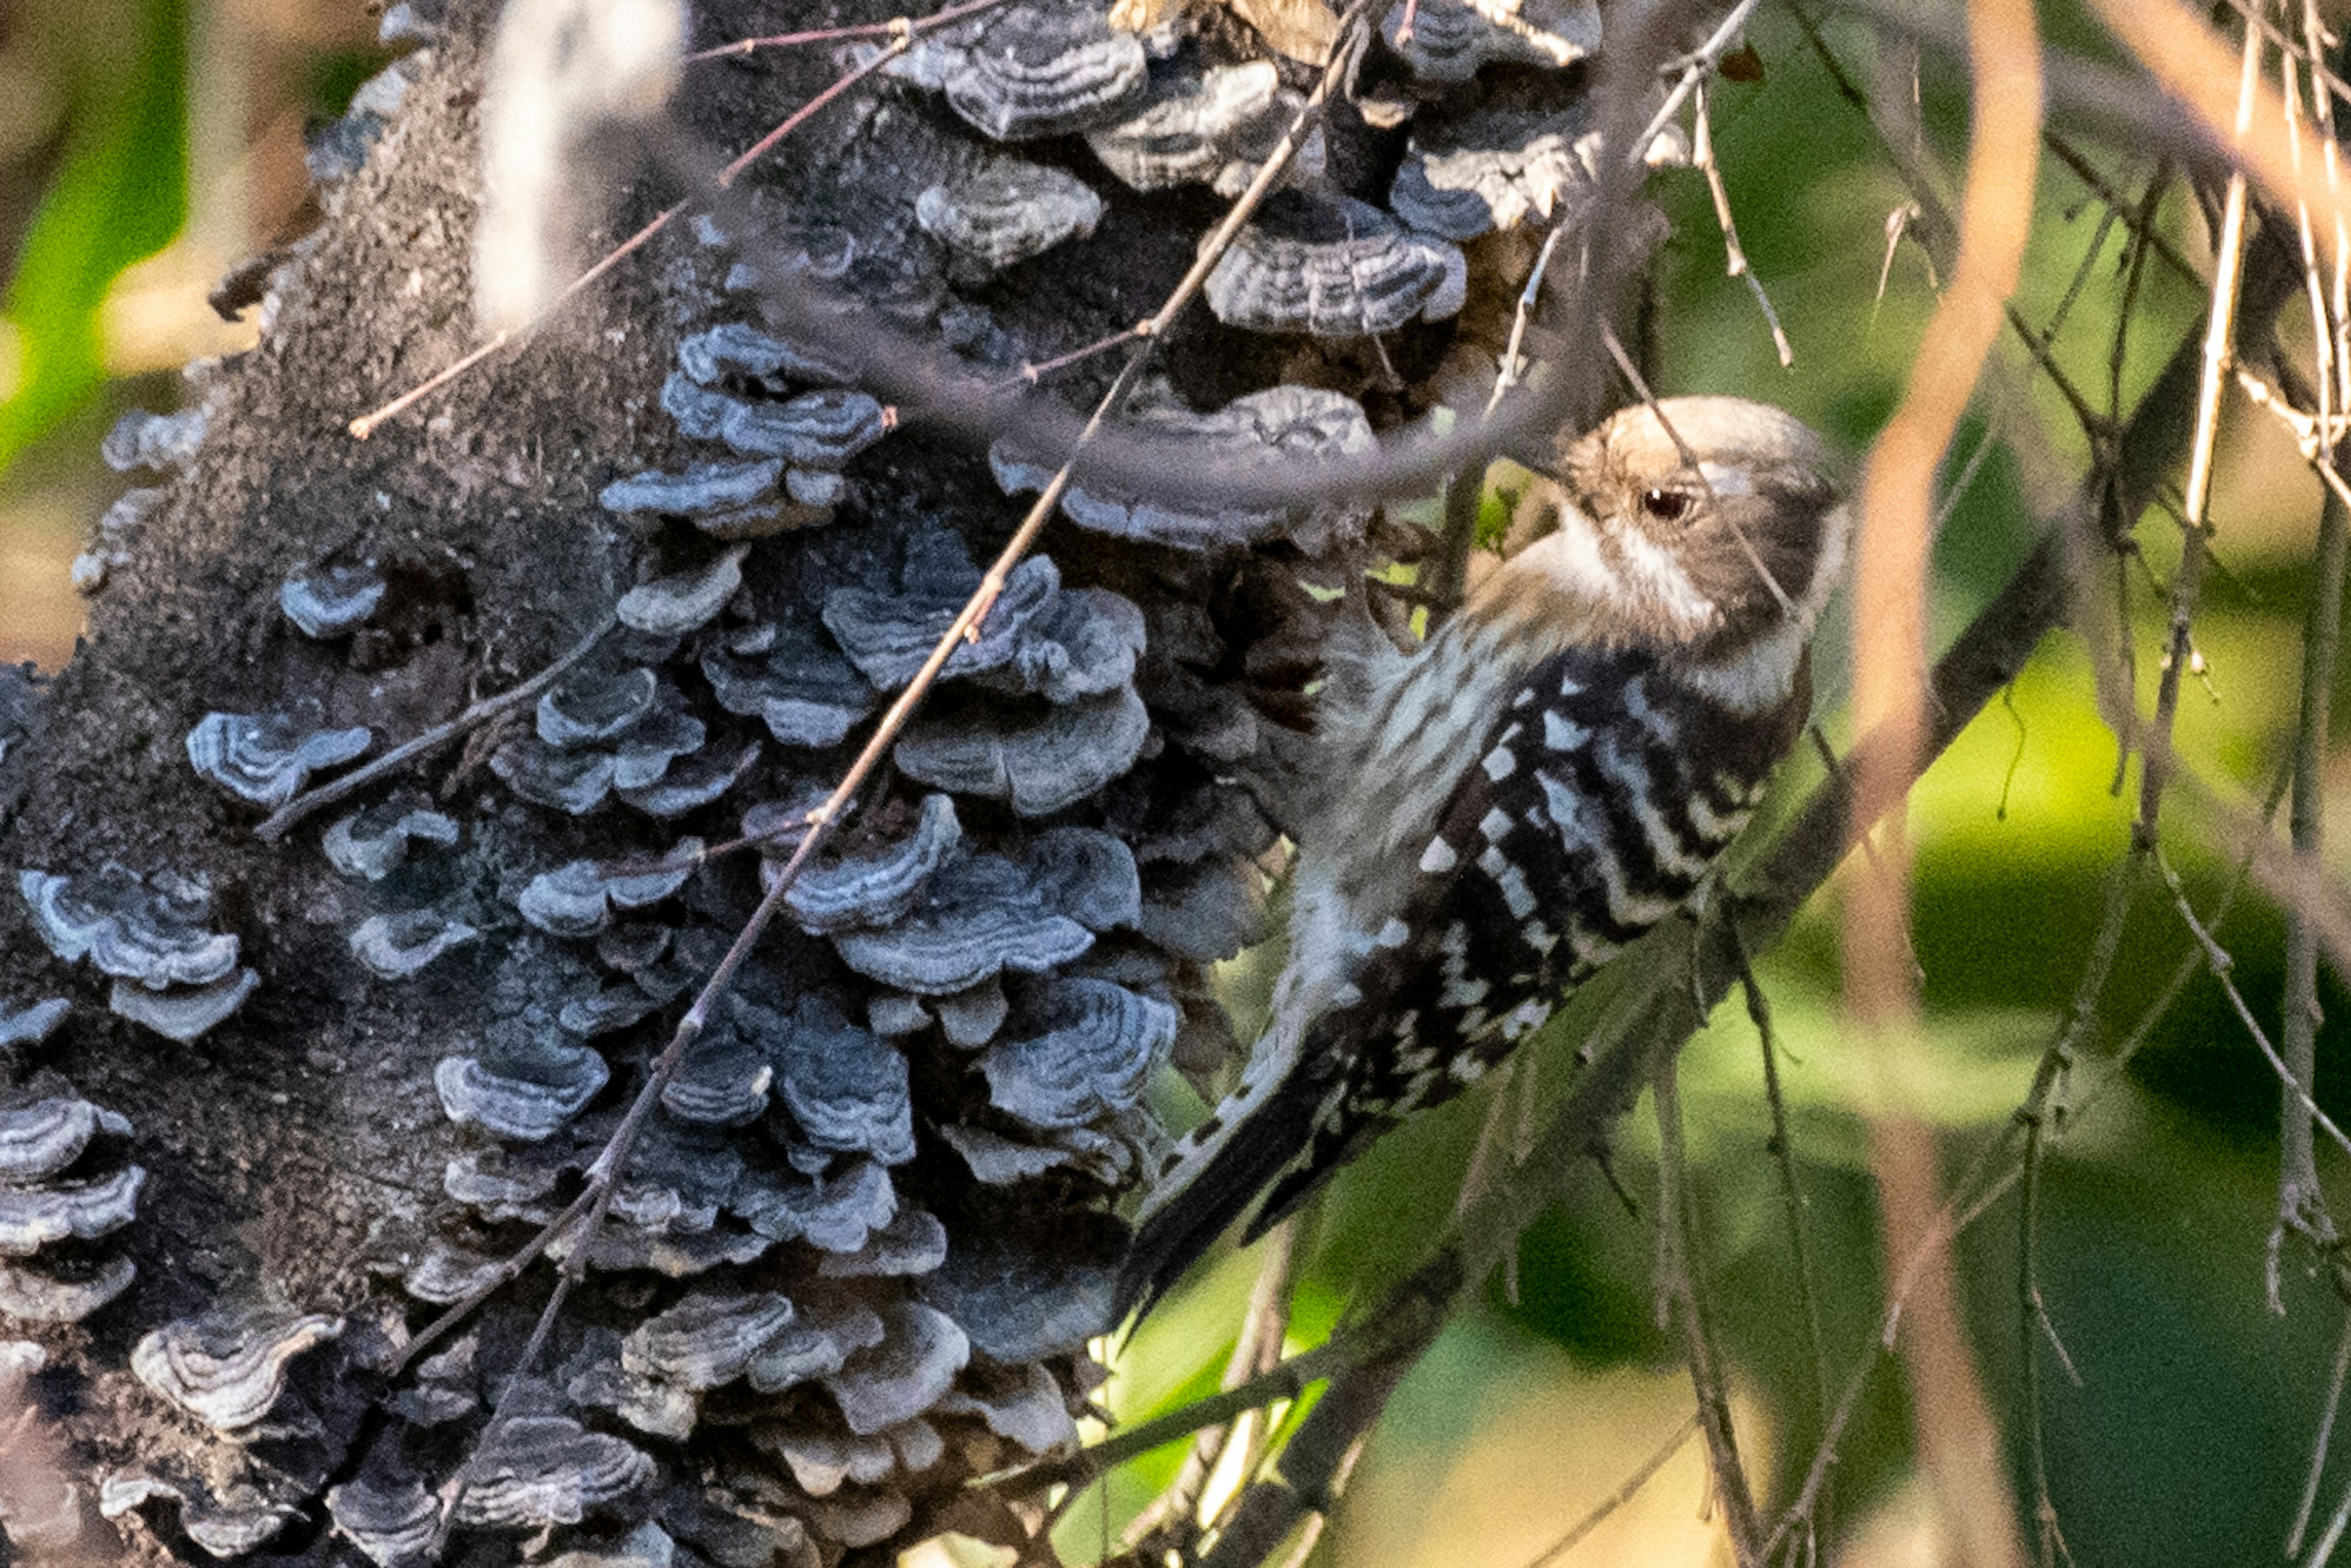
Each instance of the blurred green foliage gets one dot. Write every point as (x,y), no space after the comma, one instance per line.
(120,193)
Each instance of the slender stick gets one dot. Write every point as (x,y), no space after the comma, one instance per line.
(275,826)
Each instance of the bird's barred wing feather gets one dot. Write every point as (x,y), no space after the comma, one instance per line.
(1600,800)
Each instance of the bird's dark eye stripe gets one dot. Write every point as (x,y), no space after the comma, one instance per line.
(1665,506)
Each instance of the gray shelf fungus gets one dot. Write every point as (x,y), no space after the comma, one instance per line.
(1214,127)
(970,1019)
(165,443)
(739,349)
(1452,39)
(1092,1061)
(577,899)
(1285,424)
(268,758)
(1054,760)
(55,1192)
(808,694)
(182,1014)
(32,1023)
(973,921)
(526,1109)
(394,1523)
(708,1339)
(33,1217)
(37,1295)
(1490,169)
(121,924)
(704,490)
(889,636)
(674,605)
(1033,70)
(171,974)
(331,600)
(906,1374)
(876,889)
(1021,1404)
(375,841)
(596,706)
(228,1367)
(1005,213)
(542,1470)
(229,1521)
(819,429)
(38,1139)
(399,946)
(1334,267)
(846,1090)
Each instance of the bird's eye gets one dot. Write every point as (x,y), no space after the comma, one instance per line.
(1665,506)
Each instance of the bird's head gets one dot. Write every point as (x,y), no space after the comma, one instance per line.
(1696,526)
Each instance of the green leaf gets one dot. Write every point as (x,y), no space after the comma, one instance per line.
(120,194)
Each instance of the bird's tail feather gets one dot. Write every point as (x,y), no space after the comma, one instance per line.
(1253,1151)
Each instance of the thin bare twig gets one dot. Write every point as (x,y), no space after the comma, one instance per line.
(275,826)
(1680,1300)
(1621,1496)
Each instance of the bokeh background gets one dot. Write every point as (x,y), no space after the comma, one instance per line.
(148,146)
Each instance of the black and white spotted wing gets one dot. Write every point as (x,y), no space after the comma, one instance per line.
(1605,794)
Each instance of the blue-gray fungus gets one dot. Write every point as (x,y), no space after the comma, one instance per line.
(268,758)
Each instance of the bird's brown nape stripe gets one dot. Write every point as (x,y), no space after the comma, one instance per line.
(1603,795)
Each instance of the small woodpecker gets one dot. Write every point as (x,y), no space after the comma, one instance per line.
(1553,773)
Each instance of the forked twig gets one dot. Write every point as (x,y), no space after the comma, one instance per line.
(275,826)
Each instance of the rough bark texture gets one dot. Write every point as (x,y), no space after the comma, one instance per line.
(297,1158)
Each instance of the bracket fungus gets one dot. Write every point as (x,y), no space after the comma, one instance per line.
(1042,764)
(707,1339)
(1212,128)
(726,1075)
(819,429)
(674,605)
(596,706)
(906,1374)
(1034,70)
(809,694)
(739,349)
(397,946)
(1334,267)
(845,1089)
(393,1524)
(33,1023)
(328,602)
(564,1079)
(539,1470)
(1092,1060)
(974,920)
(1285,424)
(171,974)
(374,842)
(268,758)
(1491,168)
(165,443)
(833,1213)
(705,490)
(1005,213)
(227,1368)
(1450,40)
(55,1192)
(888,636)
(577,899)
(875,890)
(914,1242)
(1021,1404)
